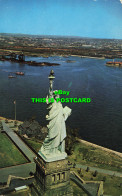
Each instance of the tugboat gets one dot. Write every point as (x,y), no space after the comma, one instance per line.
(115,64)
(19,73)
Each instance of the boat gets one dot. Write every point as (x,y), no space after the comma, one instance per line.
(19,73)
(113,63)
(10,76)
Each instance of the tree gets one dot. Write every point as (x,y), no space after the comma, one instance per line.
(31,173)
(74,165)
(15,123)
(104,178)
(6,120)
(13,56)
(21,57)
(120,185)
(95,173)
(113,175)
(87,169)
(1,126)
(81,175)
(79,171)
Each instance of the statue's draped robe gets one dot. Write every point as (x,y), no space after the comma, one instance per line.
(56,127)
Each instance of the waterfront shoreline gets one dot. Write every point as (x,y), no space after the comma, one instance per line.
(100,147)
(4,118)
(46,53)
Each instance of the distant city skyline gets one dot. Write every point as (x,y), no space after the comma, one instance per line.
(83,18)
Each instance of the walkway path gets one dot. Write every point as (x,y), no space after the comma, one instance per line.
(103,171)
(21,145)
(19,170)
(89,188)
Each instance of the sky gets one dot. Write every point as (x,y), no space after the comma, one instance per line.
(85,18)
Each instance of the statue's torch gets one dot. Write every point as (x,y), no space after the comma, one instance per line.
(51,80)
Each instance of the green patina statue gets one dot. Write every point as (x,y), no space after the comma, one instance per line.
(53,147)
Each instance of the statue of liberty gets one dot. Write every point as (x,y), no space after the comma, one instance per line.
(53,147)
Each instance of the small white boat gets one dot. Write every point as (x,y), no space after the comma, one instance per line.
(11,76)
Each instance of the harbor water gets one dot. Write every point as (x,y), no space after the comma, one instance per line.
(99,121)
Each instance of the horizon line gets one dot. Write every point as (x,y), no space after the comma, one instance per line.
(70,36)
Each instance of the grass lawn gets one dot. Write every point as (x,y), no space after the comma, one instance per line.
(22,193)
(9,153)
(77,191)
(111,185)
(91,156)
(87,155)
(35,144)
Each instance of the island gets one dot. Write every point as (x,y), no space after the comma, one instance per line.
(13,57)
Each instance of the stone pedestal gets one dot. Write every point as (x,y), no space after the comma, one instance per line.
(53,157)
(52,178)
